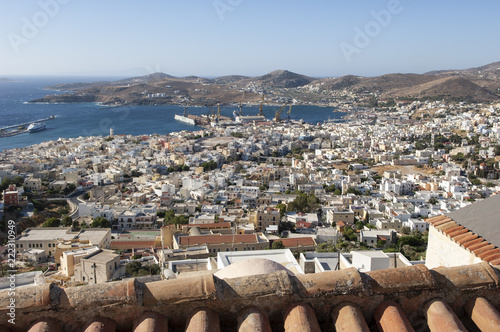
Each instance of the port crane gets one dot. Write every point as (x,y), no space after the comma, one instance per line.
(261,108)
(186,111)
(289,112)
(241,103)
(277,115)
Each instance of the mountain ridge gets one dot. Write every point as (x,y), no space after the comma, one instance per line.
(480,84)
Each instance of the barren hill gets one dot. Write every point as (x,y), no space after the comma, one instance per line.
(479,84)
(450,88)
(280,79)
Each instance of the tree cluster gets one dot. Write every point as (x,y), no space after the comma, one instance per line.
(171,218)
(304,203)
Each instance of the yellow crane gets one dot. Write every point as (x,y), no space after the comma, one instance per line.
(261,108)
(241,102)
(289,112)
(277,115)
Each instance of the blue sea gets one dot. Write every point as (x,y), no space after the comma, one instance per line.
(91,119)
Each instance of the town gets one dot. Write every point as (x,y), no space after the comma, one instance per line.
(176,204)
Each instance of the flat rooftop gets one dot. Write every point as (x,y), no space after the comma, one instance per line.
(280,256)
(94,235)
(102,256)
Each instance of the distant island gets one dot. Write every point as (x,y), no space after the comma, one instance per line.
(481,84)
(3,79)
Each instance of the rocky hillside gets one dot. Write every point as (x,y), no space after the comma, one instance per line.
(479,84)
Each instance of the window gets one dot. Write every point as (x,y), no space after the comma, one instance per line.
(20,245)
(29,245)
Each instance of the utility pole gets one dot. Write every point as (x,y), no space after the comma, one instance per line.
(95,275)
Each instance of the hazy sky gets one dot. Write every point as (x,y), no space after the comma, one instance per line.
(249,37)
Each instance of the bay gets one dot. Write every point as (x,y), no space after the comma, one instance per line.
(91,119)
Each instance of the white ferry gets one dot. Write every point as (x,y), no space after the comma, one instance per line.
(36,126)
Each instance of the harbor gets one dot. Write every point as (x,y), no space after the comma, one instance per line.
(20,128)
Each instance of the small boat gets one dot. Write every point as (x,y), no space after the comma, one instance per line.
(36,126)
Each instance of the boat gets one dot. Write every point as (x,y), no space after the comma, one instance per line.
(36,126)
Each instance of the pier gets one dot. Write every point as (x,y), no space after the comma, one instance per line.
(20,128)
(28,123)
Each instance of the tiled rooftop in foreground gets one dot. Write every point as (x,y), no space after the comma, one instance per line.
(411,298)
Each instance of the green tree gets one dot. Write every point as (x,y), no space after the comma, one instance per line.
(349,234)
(326,247)
(75,224)
(100,222)
(136,269)
(305,203)
(405,230)
(432,201)
(6,181)
(286,226)
(282,208)
(66,221)
(51,222)
(278,245)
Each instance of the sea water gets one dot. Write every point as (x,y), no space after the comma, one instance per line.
(91,119)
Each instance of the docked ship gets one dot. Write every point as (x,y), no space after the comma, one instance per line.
(36,126)
(185,117)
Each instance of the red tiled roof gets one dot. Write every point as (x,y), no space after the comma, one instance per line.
(402,299)
(210,225)
(466,239)
(298,241)
(117,244)
(218,239)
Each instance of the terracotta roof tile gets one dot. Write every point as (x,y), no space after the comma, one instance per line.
(253,319)
(214,239)
(203,320)
(453,229)
(100,324)
(474,242)
(441,318)
(488,253)
(480,251)
(150,322)
(479,245)
(391,318)
(492,257)
(435,219)
(483,314)
(301,317)
(401,299)
(416,277)
(469,236)
(447,226)
(441,222)
(458,232)
(465,238)
(298,241)
(349,317)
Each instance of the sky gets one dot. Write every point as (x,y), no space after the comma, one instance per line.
(319,38)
